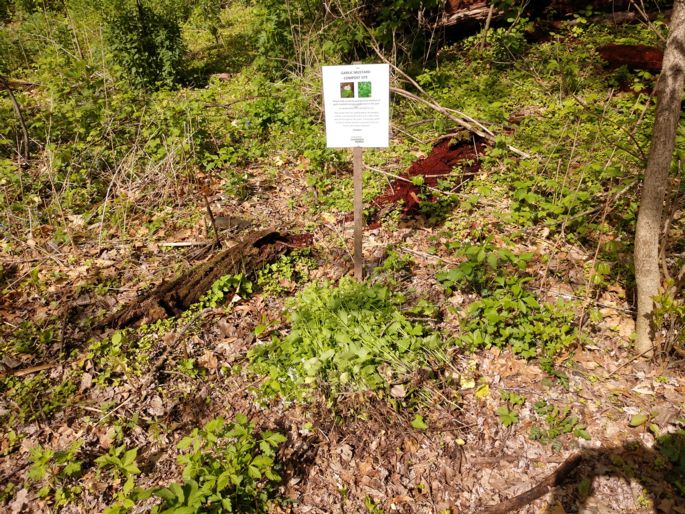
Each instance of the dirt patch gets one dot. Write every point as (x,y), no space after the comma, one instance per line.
(418,182)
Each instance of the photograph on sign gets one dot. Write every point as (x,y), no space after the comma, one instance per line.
(357,105)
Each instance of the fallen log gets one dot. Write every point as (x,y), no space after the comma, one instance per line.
(473,13)
(172,298)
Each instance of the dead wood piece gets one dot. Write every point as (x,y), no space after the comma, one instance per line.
(171,298)
(24,151)
(29,371)
(549,483)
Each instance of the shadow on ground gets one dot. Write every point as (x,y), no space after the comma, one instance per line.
(659,470)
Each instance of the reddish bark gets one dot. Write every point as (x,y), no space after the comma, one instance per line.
(636,57)
(438,165)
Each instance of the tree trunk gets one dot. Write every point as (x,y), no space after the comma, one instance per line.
(669,95)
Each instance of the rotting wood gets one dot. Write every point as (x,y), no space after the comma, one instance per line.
(475,12)
(171,298)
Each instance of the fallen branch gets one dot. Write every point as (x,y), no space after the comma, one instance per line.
(217,239)
(470,125)
(549,483)
(20,117)
(178,244)
(20,84)
(403,179)
(159,363)
(28,371)
(476,12)
(461,118)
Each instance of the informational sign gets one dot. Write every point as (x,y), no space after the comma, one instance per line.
(357,105)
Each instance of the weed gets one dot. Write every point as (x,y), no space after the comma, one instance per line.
(507,314)
(557,421)
(507,416)
(234,284)
(280,276)
(36,396)
(57,471)
(121,463)
(669,316)
(349,337)
(120,356)
(395,267)
(507,413)
(371,506)
(672,449)
(227,467)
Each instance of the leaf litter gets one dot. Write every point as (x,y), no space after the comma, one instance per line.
(441,456)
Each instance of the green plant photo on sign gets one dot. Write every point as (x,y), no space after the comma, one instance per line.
(364,89)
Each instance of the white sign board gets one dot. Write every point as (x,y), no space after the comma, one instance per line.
(357,105)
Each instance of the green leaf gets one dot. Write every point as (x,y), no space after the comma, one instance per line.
(223,481)
(215,425)
(262,461)
(72,468)
(507,417)
(638,419)
(177,490)
(418,423)
(117,337)
(253,472)
(166,494)
(130,456)
(483,391)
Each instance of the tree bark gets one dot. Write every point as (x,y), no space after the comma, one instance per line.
(669,95)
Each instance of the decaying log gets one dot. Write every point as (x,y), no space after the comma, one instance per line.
(469,12)
(171,298)
(477,11)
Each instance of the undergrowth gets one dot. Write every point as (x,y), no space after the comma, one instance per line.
(352,336)
(505,312)
(227,467)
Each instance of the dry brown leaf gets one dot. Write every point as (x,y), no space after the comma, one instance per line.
(208,360)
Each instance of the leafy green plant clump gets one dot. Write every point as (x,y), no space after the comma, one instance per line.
(557,421)
(507,314)
(352,336)
(281,275)
(671,448)
(228,467)
(146,44)
(235,285)
(57,472)
(508,414)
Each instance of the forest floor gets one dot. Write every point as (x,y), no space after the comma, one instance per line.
(490,341)
(363,455)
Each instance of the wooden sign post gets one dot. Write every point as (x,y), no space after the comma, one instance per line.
(357,108)
(358,213)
